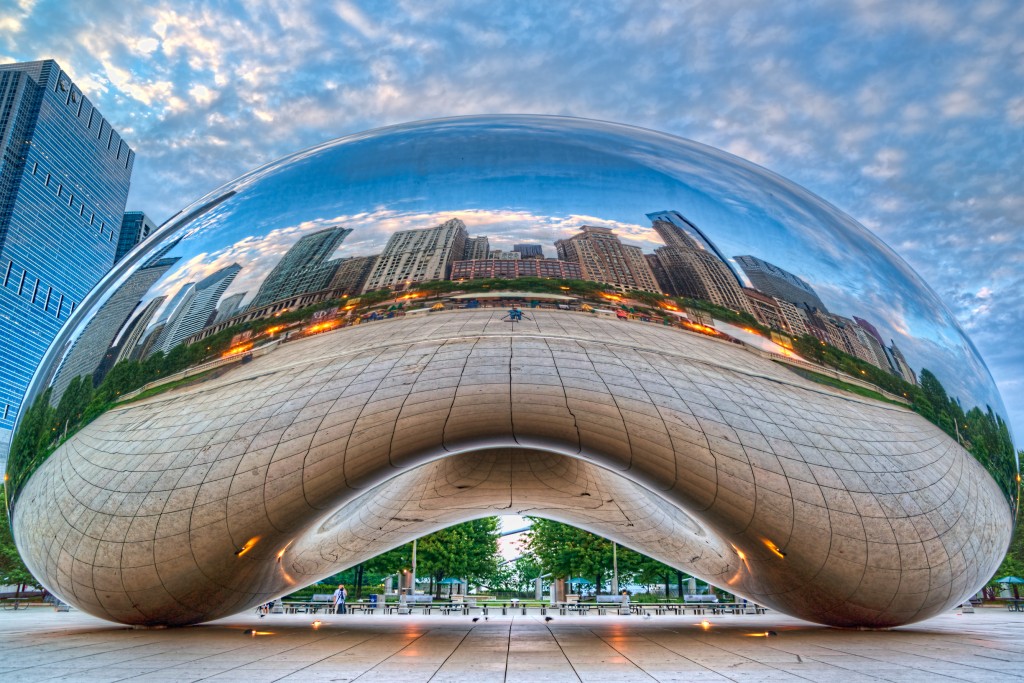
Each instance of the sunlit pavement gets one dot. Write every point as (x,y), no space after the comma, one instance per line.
(42,645)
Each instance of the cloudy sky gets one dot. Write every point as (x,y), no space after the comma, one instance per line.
(909,116)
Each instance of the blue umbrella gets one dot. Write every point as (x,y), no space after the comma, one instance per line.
(1009,579)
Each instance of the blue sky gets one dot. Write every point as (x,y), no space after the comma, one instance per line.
(908,116)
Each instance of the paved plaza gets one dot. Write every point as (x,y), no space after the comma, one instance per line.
(41,645)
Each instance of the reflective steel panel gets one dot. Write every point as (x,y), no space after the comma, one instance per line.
(521,215)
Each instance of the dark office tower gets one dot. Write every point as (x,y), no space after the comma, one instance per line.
(352,274)
(98,337)
(307,267)
(135,227)
(659,272)
(195,308)
(64,175)
(529,250)
(769,279)
(476,248)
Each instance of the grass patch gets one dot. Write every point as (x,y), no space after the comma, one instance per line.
(840,384)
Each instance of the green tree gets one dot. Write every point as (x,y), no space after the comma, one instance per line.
(568,552)
(466,551)
(12,569)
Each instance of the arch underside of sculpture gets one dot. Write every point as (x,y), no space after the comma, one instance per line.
(214,497)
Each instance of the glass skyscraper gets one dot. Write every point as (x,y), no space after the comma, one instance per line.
(64,175)
(135,227)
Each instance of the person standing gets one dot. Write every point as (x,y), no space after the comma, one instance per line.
(339,599)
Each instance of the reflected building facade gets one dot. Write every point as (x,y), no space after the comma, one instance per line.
(604,258)
(98,338)
(693,266)
(306,267)
(777,282)
(195,307)
(64,176)
(412,256)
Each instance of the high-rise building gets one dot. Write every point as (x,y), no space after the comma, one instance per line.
(412,256)
(306,267)
(871,338)
(85,356)
(515,268)
(64,175)
(902,366)
(659,272)
(699,274)
(228,307)
(135,227)
(692,264)
(675,230)
(501,255)
(794,316)
(352,274)
(766,310)
(130,348)
(603,258)
(782,284)
(476,248)
(195,307)
(529,250)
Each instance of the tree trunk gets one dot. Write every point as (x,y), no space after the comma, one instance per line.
(667,579)
(679,584)
(597,585)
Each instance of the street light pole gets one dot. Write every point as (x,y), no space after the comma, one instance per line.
(615,569)
(412,585)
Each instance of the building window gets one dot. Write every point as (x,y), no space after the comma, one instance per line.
(7,409)
(21,282)
(60,305)
(46,304)
(7,273)
(46,183)
(35,291)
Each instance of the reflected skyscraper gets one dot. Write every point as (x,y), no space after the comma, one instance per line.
(307,267)
(529,250)
(476,247)
(418,255)
(88,351)
(195,308)
(782,284)
(352,274)
(694,267)
(64,175)
(603,258)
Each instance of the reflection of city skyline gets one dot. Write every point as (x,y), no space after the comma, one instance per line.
(689,264)
(515,193)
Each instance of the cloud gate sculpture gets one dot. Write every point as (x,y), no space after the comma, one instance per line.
(419,325)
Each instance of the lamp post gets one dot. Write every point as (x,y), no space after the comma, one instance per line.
(615,568)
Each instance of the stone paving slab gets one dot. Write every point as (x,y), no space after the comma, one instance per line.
(40,645)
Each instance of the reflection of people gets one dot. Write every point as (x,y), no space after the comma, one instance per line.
(339,599)
(625,598)
(515,315)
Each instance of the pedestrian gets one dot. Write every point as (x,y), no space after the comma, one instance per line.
(340,596)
